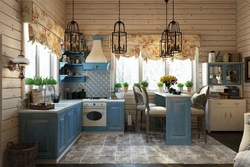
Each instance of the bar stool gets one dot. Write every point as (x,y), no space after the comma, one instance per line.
(153,111)
(139,107)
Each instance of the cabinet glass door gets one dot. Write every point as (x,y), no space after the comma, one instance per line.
(215,74)
(233,76)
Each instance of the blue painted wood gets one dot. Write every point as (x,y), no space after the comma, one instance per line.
(226,66)
(115,116)
(160,101)
(54,131)
(178,121)
(96,66)
(34,127)
(72,78)
(94,129)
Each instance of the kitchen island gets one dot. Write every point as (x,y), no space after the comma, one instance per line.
(56,129)
(178,117)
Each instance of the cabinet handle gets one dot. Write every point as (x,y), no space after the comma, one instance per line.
(230,115)
(225,115)
(236,104)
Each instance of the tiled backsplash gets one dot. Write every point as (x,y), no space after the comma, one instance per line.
(97,85)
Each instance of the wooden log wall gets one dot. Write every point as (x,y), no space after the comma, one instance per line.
(243,41)
(215,20)
(10,47)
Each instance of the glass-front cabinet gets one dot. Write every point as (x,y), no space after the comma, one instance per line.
(220,73)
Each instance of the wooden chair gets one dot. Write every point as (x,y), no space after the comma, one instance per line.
(152,111)
(139,107)
(200,114)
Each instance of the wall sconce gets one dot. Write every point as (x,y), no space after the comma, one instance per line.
(19,62)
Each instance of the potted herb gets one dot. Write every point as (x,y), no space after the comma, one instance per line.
(180,86)
(38,81)
(144,84)
(50,82)
(118,86)
(125,85)
(189,85)
(137,84)
(160,86)
(29,82)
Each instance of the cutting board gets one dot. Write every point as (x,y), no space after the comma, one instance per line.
(37,97)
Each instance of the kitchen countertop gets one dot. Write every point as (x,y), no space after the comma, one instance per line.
(62,105)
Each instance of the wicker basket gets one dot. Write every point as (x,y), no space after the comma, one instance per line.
(23,154)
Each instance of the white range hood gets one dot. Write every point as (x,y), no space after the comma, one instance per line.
(96,54)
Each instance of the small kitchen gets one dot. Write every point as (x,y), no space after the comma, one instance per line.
(91,89)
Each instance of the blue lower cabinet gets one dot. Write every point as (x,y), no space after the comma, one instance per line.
(115,116)
(54,131)
(34,127)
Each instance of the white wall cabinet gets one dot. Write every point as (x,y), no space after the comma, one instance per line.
(225,114)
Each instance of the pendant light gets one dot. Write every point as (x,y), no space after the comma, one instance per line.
(174,35)
(165,51)
(119,37)
(73,38)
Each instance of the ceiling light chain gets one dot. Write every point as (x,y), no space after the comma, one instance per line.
(119,36)
(73,38)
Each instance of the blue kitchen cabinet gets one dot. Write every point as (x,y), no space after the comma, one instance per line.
(55,131)
(34,127)
(115,116)
(96,66)
(63,77)
(178,117)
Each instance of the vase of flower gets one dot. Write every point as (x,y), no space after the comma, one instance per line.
(167,87)
(168,81)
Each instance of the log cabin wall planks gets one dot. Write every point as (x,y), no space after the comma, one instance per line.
(10,47)
(243,41)
(215,20)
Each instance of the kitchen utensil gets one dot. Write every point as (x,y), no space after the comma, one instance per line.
(226,57)
(211,56)
(55,97)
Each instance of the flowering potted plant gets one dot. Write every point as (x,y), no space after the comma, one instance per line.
(168,80)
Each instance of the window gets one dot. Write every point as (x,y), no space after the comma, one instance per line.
(135,70)
(42,62)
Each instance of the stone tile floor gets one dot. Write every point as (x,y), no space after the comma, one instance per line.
(131,148)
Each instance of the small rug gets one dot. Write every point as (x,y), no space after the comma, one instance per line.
(131,148)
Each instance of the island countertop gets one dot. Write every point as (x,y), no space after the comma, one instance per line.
(172,95)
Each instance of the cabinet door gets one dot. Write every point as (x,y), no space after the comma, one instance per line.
(34,127)
(77,120)
(62,126)
(215,115)
(70,126)
(115,116)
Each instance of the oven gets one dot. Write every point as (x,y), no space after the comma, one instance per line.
(94,115)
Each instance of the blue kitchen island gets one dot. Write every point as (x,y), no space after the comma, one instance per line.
(178,117)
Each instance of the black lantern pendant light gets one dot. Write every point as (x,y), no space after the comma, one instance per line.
(119,37)
(174,35)
(72,36)
(165,51)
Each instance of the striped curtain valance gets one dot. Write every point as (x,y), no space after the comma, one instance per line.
(42,28)
(148,47)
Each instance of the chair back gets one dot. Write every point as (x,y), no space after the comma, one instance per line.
(136,90)
(205,90)
(145,97)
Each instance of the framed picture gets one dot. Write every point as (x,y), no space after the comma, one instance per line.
(247,69)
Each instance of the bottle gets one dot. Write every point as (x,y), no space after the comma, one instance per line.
(83,94)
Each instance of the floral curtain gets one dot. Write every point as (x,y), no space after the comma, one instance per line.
(148,47)
(42,28)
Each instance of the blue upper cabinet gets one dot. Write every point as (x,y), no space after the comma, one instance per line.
(222,73)
(96,66)
(115,116)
